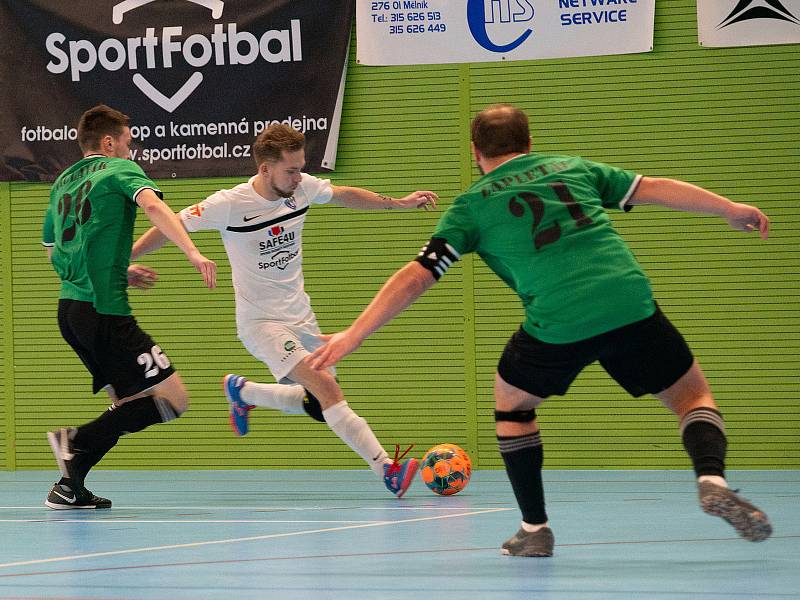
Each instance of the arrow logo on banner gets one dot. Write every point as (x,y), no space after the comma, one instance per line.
(170,103)
(763,9)
(215,6)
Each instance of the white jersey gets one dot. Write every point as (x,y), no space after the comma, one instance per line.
(263,240)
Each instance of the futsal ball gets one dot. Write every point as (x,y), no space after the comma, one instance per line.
(446,469)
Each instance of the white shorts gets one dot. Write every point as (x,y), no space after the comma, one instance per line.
(281,346)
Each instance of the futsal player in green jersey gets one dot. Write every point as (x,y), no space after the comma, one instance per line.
(539,222)
(88,233)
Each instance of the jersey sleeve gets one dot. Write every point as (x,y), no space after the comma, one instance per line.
(318,191)
(211,213)
(615,185)
(457,226)
(48,233)
(132,180)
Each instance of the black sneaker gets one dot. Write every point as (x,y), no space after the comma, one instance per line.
(64,498)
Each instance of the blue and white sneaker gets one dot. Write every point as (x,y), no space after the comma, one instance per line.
(238,408)
(398,475)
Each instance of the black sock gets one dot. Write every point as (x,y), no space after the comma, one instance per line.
(523,456)
(703,434)
(94,439)
(83,461)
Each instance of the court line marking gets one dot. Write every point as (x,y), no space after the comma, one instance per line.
(262,508)
(417,551)
(113,521)
(243,539)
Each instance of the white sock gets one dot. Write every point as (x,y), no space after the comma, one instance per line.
(715,479)
(533,528)
(285,398)
(356,433)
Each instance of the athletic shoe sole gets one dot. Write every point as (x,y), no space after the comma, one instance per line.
(749,522)
(55,506)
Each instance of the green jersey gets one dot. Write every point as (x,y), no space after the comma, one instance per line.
(89,224)
(539,222)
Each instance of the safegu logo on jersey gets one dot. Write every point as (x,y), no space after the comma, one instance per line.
(748,10)
(277,239)
(162,49)
(491,21)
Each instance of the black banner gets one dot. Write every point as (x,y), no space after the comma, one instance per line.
(199,79)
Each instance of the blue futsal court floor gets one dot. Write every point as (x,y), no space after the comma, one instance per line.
(338,535)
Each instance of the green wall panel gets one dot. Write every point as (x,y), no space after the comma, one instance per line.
(8,453)
(726,119)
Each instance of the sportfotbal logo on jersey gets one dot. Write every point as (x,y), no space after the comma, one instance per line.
(160,47)
(724,23)
(442,31)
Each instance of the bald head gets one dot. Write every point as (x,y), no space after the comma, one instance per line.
(499,130)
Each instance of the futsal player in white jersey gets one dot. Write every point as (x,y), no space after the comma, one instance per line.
(261,223)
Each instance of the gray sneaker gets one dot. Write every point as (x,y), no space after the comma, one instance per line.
(524,543)
(748,521)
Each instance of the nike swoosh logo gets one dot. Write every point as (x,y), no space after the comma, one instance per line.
(247,219)
(70,500)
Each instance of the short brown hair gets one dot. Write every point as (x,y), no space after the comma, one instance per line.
(271,143)
(98,122)
(500,129)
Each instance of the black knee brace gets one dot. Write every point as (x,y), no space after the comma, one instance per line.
(312,407)
(516,416)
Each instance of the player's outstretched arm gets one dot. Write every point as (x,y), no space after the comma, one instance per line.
(399,292)
(150,241)
(691,198)
(170,225)
(354,197)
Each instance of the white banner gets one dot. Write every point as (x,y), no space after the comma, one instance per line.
(722,23)
(406,32)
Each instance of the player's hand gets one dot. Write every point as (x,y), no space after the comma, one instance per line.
(142,277)
(206,267)
(426,200)
(335,348)
(744,217)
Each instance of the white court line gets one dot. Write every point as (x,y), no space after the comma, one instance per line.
(243,539)
(113,521)
(262,508)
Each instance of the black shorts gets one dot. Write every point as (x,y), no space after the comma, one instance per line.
(645,357)
(114,349)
